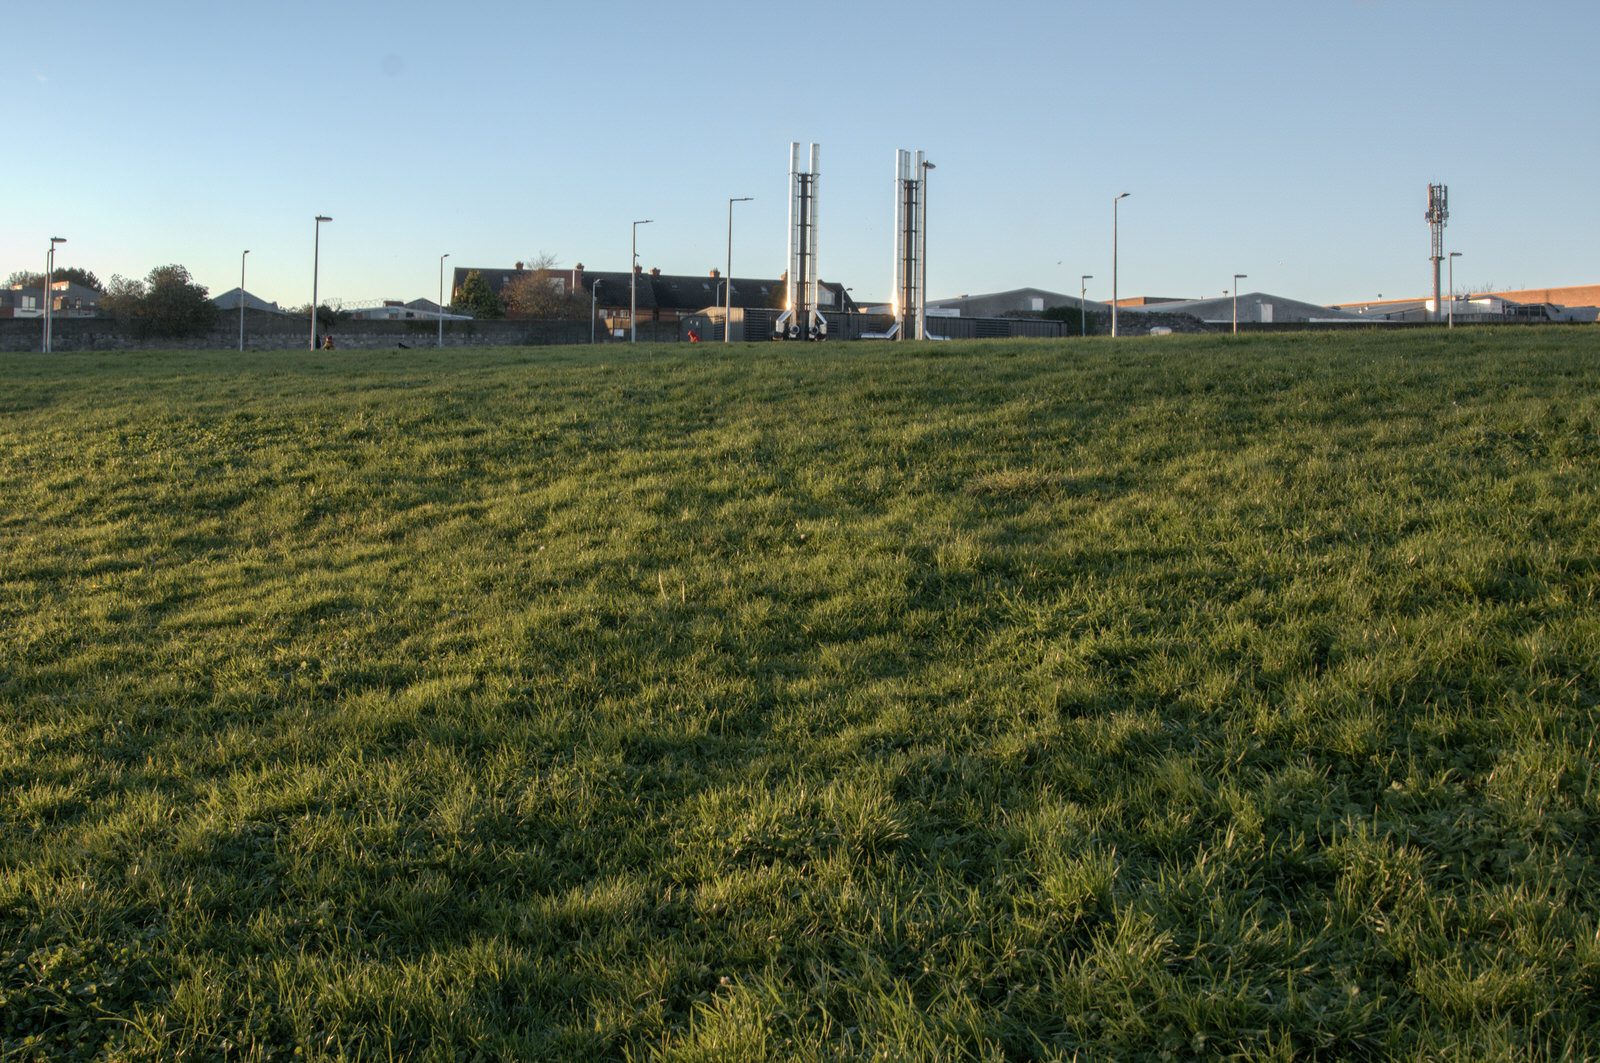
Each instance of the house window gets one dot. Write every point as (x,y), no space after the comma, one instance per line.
(1036,304)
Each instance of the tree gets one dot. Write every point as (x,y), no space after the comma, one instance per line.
(27,279)
(123,299)
(1072,315)
(475,298)
(166,303)
(327,316)
(175,305)
(79,276)
(540,293)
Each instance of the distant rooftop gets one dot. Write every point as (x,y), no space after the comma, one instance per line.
(1572,295)
(1253,307)
(229,300)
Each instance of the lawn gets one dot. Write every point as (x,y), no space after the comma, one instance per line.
(1167,698)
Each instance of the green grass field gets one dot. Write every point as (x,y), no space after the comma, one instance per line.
(1174,698)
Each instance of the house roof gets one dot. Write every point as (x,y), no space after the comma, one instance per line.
(74,290)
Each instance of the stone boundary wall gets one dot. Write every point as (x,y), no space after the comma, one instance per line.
(273,332)
(1139,323)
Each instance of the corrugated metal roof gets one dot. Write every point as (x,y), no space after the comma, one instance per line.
(1220,308)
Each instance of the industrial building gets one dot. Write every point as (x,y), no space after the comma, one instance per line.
(230,300)
(1574,303)
(1010,303)
(1254,308)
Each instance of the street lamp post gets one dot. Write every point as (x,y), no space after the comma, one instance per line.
(922,259)
(441,298)
(633,285)
(1114,203)
(594,295)
(49,301)
(1083,315)
(241,300)
(727,312)
(1237,277)
(1453,256)
(316,256)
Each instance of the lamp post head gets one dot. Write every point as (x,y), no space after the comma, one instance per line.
(323,217)
(1455,254)
(1240,276)
(246,252)
(742,199)
(1124,195)
(54,240)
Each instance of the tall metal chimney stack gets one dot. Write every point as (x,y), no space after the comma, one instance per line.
(1438,214)
(802,317)
(910,215)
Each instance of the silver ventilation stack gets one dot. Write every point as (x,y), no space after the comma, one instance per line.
(1438,214)
(910,222)
(800,318)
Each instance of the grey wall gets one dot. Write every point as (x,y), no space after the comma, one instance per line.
(274,332)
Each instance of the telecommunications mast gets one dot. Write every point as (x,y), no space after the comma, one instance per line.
(1438,214)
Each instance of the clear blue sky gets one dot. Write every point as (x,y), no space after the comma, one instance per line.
(1290,141)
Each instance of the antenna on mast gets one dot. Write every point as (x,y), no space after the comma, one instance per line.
(1438,214)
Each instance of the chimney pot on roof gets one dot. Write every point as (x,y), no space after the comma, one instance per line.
(716,273)
(655,272)
(519,267)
